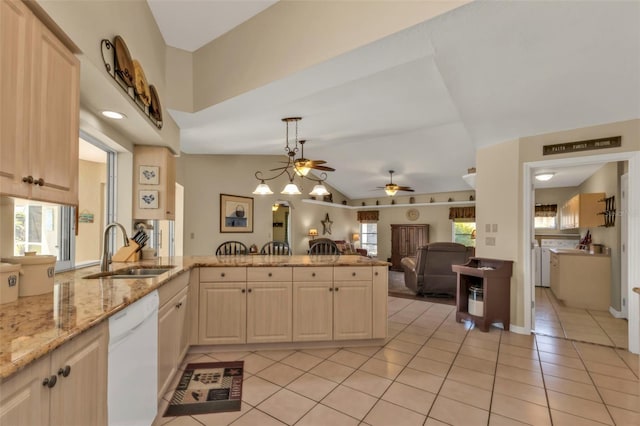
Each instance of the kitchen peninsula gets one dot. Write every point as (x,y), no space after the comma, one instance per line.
(33,326)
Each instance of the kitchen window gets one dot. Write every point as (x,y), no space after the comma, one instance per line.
(545,216)
(464,233)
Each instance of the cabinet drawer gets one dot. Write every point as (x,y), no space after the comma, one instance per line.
(313,273)
(269,274)
(173,287)
(352,273)
(223,274)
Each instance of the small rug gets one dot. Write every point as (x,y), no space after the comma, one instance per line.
(398,289)
(208,387)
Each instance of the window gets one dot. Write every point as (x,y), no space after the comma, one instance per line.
(545,216)
(464,233)
(369,238)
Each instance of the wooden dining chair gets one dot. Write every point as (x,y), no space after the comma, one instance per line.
(324,246)
(276,248)
(232,248)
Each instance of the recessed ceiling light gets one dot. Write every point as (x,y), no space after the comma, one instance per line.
(114,114)
(543,177)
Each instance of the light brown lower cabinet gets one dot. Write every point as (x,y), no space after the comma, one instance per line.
(172,343)
(66,387)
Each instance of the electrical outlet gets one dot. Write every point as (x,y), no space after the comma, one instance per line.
(494,227)
(490,241)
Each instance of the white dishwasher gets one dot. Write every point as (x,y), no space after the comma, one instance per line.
(133,364)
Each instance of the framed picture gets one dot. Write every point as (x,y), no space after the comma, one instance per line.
(149,175)
(148,199)
(236,213)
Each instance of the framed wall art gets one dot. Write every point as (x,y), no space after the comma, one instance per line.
(148,199)
(149,175)
(236,213)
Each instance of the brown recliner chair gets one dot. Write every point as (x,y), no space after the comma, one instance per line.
(429,272)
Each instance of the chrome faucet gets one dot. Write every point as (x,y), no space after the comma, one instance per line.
(105,260)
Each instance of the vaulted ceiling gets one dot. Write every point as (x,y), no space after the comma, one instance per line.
(422,101)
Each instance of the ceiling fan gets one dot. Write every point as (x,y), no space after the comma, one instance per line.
(391,188)
(302,165)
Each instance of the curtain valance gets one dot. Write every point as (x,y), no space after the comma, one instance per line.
(462,213)
(368,216)
(546,210)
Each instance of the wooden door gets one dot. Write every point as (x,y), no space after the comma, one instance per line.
(312,311)
(269,312)
(352,310)
(80,398)
(55,115)
(405,240)
(15,45)
(223,313)
(171,330)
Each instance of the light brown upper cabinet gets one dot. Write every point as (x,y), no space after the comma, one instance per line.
(154,183)
(39,110)
(583,211)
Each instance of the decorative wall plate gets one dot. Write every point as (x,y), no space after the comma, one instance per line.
(413,214)
(141,86)
(123,64)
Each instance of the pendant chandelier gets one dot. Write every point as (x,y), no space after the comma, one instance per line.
(293,167)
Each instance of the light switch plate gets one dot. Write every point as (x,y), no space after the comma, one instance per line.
(494,227)
(487,227)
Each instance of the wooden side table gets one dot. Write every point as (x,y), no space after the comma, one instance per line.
(494,277)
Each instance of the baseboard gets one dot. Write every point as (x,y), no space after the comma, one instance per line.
(519,330)
(616,314)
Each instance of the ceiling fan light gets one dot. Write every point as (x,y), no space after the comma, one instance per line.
(319,190)
(302,168)
(263,189)
(543,177)
(391,191)
(291,189)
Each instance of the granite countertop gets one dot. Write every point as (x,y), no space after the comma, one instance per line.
(576,252)
(33,326)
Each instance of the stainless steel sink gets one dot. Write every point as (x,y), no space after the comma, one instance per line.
(133,272)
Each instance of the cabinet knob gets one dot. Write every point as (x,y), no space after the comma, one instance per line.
(50,381)
(222,274)
(38,182)
(249,290)
(64,372)
(375,273)
(27,179)
(178,305)
(243,290)
(313,274)
(330,289)
(353,274)
(337,288)
(270,274)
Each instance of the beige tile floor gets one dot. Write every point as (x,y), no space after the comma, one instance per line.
(434,371)
(555,319)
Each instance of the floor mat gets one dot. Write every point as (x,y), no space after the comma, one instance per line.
(208,387)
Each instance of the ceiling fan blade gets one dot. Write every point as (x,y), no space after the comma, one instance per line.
(325,168)
(317,162)
(405,188)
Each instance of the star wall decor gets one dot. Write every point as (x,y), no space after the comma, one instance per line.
(326,225)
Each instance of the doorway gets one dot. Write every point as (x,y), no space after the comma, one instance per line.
(281,230)
(632,234)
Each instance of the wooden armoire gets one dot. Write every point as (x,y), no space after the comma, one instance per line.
(405,239)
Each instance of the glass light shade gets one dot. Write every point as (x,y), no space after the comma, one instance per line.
(274,208)
(543,177)
(263,189)
(313,232)
(390,191)
(355,237)
(319,190)
(301,168)
(291,189)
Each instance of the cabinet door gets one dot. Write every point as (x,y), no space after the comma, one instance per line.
(15,45)
(352,310)
(80,398)
(269,312)
(183,304)
(312,311)
(405,240)
(171,320)
(55,106)
(379,294)
(223,313)
(24,400)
